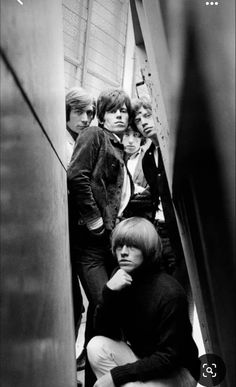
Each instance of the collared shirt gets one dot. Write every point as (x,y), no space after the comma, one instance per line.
(126,188)
(133,161)
(126,192)
(70,143)
(159,214)
(155,154)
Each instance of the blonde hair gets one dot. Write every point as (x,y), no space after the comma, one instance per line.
(78,99)
(140,233)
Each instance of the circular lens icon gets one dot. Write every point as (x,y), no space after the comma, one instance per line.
(212,371)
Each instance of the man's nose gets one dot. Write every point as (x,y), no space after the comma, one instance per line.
(143,121)
(118,113)
(84,117)
(124,250)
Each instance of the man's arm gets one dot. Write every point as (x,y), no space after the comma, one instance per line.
(107,314)
(167,356)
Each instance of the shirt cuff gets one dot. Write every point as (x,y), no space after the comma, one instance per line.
(96,225)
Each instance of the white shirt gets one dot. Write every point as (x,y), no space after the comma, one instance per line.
(126,188)
(70,143)
(131,165)
(159,214)
(132,162)
(125,193)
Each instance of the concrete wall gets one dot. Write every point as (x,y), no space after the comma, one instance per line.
(187,55)
(37,339)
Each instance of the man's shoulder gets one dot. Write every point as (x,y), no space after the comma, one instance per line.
(91,131)
(91,134)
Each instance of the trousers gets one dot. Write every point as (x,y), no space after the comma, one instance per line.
(105,354)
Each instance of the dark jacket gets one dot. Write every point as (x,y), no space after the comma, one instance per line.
(152,315)
(157,180)
(95,177)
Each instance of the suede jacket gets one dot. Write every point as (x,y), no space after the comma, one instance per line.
(95,177)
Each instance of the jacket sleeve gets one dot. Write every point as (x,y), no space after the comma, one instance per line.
(166,358)
(80,171)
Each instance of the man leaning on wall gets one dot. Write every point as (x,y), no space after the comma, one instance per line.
(80,111)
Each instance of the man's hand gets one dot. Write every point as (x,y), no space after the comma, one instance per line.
(120,280)
(105,381)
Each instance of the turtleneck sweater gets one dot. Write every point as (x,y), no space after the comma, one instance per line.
(152,316)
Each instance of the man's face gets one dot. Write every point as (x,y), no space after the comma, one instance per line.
(131,141)
(116,122)
(80,119)
(129,258)
(145,123)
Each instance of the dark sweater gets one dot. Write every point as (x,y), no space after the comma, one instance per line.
(152,315)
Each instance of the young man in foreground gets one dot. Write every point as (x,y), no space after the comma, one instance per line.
(145,334)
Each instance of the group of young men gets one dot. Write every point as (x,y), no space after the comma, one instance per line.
(112,180)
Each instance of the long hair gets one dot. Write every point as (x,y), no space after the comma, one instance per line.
(111,100)
(78,99)
(143,101)
(134,128)
(140,233)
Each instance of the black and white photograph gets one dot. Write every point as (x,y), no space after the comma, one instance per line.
(117,193)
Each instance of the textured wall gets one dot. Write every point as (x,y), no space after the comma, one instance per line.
(75,17)
(37,341)
(95,34)
(188,49)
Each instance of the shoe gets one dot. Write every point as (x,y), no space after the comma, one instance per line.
(79,383)
(80,361)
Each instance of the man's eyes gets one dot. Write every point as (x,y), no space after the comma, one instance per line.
(138,120)
(136,135)
(122,110)
(88,112)
(128,247)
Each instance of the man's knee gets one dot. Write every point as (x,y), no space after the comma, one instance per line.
(94,349)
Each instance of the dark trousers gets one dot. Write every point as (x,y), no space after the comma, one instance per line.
(94,263)
(77,301)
